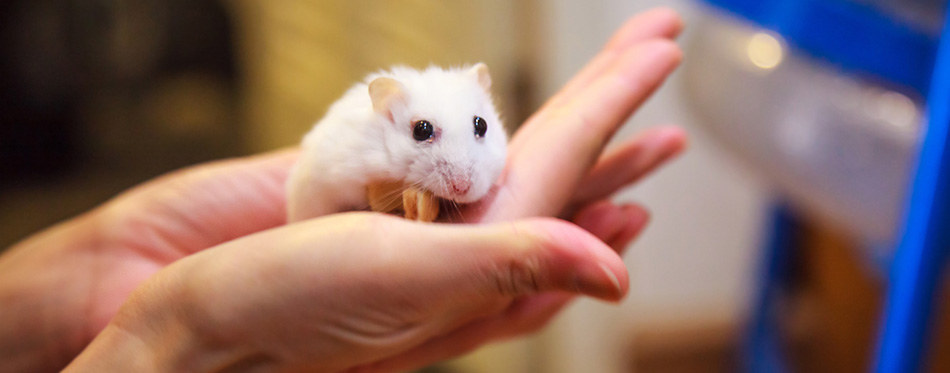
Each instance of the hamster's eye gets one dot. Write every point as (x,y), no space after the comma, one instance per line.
(480,127)
(422,131)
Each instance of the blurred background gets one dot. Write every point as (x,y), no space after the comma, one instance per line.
(98,96)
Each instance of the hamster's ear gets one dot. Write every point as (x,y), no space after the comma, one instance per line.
(386,93)
(480,72)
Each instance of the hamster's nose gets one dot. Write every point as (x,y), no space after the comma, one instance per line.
(461,185)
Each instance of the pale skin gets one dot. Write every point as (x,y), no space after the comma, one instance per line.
(197,271)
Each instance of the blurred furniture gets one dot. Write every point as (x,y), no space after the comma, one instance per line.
(97,96)
(921,256)
(891,44)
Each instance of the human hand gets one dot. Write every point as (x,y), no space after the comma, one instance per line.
(346,292)
(557,166)
(89,265)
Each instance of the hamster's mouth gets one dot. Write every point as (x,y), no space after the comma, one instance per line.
(455,188)
(450,194)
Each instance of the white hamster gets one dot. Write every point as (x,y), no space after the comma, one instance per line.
(436,129)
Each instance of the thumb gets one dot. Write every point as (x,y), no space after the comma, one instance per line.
(508,260)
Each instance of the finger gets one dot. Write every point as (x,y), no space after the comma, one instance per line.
(637,218)
(651,24)
(413,280)
(609,100)
(615,225)
(603,219)
(525,318)
(629,162)
(203,206)
(541,182)
(506,261)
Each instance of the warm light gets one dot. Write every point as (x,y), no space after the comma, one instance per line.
(897,110)
(765,51)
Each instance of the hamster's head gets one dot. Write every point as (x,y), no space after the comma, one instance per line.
(443,132)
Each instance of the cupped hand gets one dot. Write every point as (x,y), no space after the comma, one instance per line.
(343,292)
(557,167)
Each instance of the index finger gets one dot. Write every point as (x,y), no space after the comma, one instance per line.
(651,24)
(559,144)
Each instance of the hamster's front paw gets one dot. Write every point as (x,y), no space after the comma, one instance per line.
(420,205)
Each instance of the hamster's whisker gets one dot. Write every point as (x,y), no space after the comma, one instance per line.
(453,203)
(396,193)
(459,210)
(444,185)
(420,185)
(393,195)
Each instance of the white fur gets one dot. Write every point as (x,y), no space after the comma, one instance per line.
(354,145)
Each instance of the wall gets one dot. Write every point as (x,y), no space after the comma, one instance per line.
(695,262)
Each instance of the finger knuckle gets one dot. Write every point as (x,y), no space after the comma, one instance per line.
(519,276)
(590,130)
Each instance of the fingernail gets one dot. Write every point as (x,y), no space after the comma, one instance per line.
(613,277)
(598,281)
